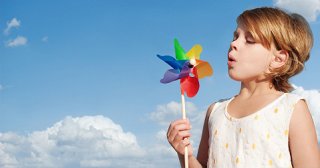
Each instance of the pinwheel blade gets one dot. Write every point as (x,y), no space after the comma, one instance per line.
(170,75)
(180,53)
(185,71)
(194,52)
(203,69)
(175,64)
(190,85)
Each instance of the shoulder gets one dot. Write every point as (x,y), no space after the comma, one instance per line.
(215,105)
(301,122)
(293,98)
(301,115)
(289,102)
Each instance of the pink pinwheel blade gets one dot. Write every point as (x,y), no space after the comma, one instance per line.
(190,85)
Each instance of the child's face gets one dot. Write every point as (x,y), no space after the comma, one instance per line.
(247,59)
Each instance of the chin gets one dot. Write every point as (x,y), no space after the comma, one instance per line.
(234,76)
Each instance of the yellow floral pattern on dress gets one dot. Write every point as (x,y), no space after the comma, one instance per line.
(268,135)
(286,132)
(253,146)
(270,162)
(237,160)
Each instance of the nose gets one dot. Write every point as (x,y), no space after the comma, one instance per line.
(233,45)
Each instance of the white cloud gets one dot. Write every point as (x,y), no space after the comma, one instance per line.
(1,87)
(14,23)
(19,41)
(89,141)
(312,98)
(164,114)
(310,9)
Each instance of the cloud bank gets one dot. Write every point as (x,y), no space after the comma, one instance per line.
(310,9)
(89,141)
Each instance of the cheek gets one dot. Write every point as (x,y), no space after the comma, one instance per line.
(248,69)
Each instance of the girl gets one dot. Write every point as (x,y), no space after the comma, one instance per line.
(264,125)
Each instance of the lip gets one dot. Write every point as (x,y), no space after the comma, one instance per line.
(231,60)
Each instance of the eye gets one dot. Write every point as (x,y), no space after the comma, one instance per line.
(250,39)
(235,36)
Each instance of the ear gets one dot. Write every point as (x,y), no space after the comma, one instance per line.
(280,58)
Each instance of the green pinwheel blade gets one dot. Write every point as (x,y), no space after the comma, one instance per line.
(180,53)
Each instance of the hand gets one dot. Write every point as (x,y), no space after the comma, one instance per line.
(178,136)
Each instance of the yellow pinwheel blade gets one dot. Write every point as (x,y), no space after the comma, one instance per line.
(203,69)
(194,52)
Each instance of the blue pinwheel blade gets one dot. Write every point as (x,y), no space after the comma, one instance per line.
(175,64)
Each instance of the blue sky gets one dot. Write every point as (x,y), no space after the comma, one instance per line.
(72,61)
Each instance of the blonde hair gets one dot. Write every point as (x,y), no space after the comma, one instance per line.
(289,32)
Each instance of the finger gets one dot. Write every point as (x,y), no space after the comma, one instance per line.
(187,142)
(176,125)
(182,145)
(176,122)
(181,135)
(178,130)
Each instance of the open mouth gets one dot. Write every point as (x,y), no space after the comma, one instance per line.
(231,60)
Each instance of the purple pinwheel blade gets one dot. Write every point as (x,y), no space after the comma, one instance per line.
(185,71)
(170,75)
(175,64)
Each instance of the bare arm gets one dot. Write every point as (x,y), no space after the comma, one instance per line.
(303,139)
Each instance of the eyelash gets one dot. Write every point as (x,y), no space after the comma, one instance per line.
(235,38)
(250,42)
(247,41)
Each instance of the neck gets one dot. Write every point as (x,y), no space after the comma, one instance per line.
(254,88)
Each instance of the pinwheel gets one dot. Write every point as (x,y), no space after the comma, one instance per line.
(189,69)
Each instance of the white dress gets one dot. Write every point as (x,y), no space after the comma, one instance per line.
(259,140)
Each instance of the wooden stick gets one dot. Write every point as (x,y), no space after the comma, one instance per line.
(184,116)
